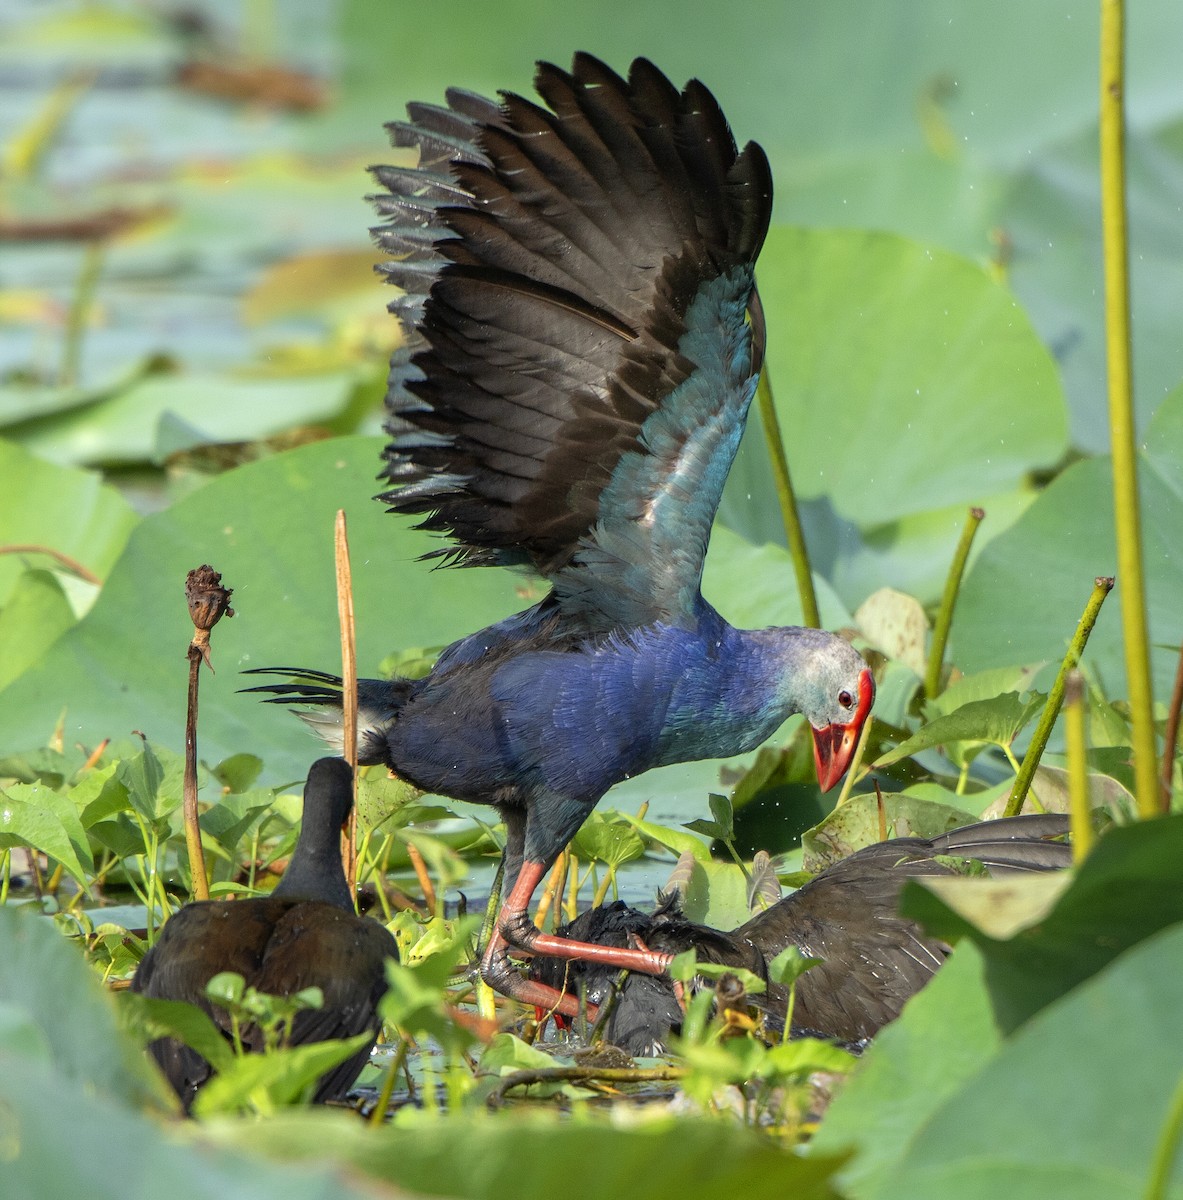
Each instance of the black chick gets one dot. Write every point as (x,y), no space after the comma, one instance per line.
(873,959)
(305,934)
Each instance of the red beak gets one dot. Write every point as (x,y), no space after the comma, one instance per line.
(833,745)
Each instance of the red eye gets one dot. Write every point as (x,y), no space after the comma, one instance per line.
(845,699)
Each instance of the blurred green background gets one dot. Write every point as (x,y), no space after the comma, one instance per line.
(186,295)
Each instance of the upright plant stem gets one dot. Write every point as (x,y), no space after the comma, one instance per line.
(208,603)
(940,633)
(1167,1147)
(348,685)
(788,500)
(1171,737)
(1121,408)
(1026,772)
(80,304)
(1078,770)
(189,785)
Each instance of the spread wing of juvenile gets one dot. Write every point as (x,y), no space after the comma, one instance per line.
(578,362)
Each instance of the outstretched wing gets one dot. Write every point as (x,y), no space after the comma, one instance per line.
(577,365)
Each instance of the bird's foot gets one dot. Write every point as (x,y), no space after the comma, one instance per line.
(502,976)
(518,930)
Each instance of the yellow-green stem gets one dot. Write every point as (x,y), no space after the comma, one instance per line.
(199,885)
(1076,739)
(601,891)
(1167,1148)
(855,763)
(788,501)
(1102,586)
(80,305)
(1170,741)
(1115,245)
(383,1101)
(940,633)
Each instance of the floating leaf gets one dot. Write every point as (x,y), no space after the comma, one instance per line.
(166,413)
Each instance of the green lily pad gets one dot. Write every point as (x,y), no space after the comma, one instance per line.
(36,615)
(1083,1140)
(939,345)
(1022,599)
(268,528)
(61,509)
(1125,891)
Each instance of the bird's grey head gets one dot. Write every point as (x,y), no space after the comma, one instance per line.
(832,687)
(830,673)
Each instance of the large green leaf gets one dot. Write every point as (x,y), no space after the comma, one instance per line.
(1053,215)
(1125,891)
(47,982)
(268,528)
(70,511)
(885,354)
(1074,1105)
(36,615)
(1022,600)
(943,1037)
(539,1155)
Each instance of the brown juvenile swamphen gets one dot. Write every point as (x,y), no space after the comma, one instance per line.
(582,343)
(305,934)
(873,959)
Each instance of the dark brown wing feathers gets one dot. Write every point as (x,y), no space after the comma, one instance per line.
(548,253)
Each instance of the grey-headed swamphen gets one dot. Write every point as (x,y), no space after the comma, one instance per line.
(582,343)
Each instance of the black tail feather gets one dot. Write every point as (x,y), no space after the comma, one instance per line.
(304,686)
(306,673)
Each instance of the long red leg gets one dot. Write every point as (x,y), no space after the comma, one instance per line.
(514,928)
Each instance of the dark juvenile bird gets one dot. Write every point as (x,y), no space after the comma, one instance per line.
(305,934)
(582,343)
(873,959)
